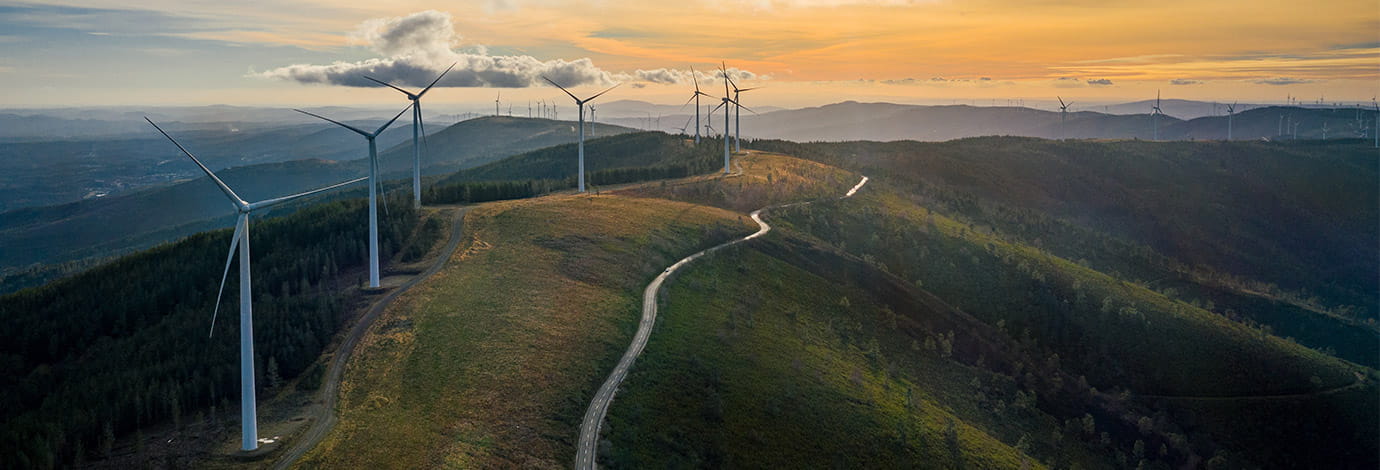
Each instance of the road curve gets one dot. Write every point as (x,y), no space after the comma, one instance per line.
(588,442)
(324,414)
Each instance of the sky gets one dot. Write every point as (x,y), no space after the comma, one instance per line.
(74,53)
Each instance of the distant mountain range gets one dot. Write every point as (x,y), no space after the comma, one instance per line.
(852,120)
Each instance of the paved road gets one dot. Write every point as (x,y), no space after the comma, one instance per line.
(323,416)
(588,442)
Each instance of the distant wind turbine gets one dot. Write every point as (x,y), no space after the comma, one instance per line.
(1155,113)
(687,124)
(580,103)
(417,126)
(249,428)
(1063,112)
(373,188)
(738,113)
(1231,113)
(496,98)
(696,98)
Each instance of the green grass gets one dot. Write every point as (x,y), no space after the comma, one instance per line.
(491,362)
(756,363)
(1121,335)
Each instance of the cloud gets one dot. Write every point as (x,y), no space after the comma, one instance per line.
(1100,82)
(1185,81)
(1067,82)
(1282,81)
(417,47)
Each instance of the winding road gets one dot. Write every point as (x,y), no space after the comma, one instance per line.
(587,444)
(323,416)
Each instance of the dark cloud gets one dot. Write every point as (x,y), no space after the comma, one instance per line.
(1184,81)
(1100,82)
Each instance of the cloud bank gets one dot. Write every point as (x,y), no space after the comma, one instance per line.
(417,47)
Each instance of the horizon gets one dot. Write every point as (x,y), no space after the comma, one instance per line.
(804,53)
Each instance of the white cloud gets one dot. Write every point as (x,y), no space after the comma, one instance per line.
(417,47)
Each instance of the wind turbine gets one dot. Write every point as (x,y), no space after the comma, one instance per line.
(1155,113)
(417,126)
(696,98)
(580,103)
(1063,112)
(738,114)
(496,98)
(687,124)
(1231,112)
(727,110)
(249,430)
(373,187)
(708,122)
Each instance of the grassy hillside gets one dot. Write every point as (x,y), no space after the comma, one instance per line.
(491,362)
(1199,222)
(1119,335)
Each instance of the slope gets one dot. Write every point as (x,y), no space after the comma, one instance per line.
(490,362)
(1136,210)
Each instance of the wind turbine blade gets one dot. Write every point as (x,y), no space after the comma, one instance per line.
(601,93)
(234,198)
(572,95)
(1070,105)
(740,106)
(234,243)
(271,202)
(390,121)
(433,82)
(389,85)
(1061,102)
(695,79)
(687,102)
(736,91)
(716,108)
(422,123)
(338,123)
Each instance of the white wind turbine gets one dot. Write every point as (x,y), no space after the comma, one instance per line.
(373,188)
(249,432)
(727,110)
(1063,112)
(1155,113)
(417,126)
(580,103)
(1231,113)
(696,98)
(738,110)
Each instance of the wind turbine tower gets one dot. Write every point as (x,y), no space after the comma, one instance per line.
(249,428)
(1155,113)
(1063,113)
(727,110)
(580,103)
(738,110)
(696,98)
(373,188)
(417,126)
(1231,113)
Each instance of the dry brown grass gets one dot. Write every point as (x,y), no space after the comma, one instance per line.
(490,362)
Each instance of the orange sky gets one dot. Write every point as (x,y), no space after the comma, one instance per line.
(812,51)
